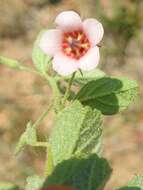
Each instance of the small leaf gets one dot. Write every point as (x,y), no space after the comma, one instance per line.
(34,183)
(73,131)
(8,186)
(109,95)
(29,137)
(135,184)
(40,59)
(10,62)
(89,173)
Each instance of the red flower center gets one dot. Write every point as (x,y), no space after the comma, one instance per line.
(75,44)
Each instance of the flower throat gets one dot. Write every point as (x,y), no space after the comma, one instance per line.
(75,44)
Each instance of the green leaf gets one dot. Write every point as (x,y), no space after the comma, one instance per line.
(80,79)
(135,184)
(85,77)
(8,186)
(89,173)
(34,182)
(40,59)
(90,132)
(109,95)
(73,131)
(137,181)
(29,137)
(66,131)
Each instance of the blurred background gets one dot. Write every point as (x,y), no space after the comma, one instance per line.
(23,96)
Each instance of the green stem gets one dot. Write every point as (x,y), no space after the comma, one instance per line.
(42,116)
(53,84)
(68,89)
(49,158)
(49,162)
(40,144)
(23,68)
(56,93)
(14,64)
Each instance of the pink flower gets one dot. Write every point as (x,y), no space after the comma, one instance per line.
(73,44)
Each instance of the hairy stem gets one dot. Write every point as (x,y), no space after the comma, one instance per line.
(49,158)
(40,144)
(42,116)
(14,64)
(49,162)
(68,89)
(56,93)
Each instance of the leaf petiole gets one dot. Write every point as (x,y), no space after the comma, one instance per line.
(68,89)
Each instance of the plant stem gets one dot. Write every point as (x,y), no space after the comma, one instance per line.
(56,93)
(14,64)
(49,158)
(51,81)
(49,161)
(42,116)
(68,89)
(23,68)
(40,144)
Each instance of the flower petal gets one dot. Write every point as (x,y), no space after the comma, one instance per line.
(64,65)
(68,21)
(50,42)
(90,60)
(94,30)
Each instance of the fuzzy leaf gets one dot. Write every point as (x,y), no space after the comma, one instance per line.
(72,129)
(109,95)
(34,183)
(85,77)
(66,131)
(81,79)
(29,137)
(89,173)
(40,59)
(90,132)
(8,186)
(135,184)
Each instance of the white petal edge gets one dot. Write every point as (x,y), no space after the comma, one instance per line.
(64,65)
(90,60)
(50,41)
(68,21)
(94,30)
